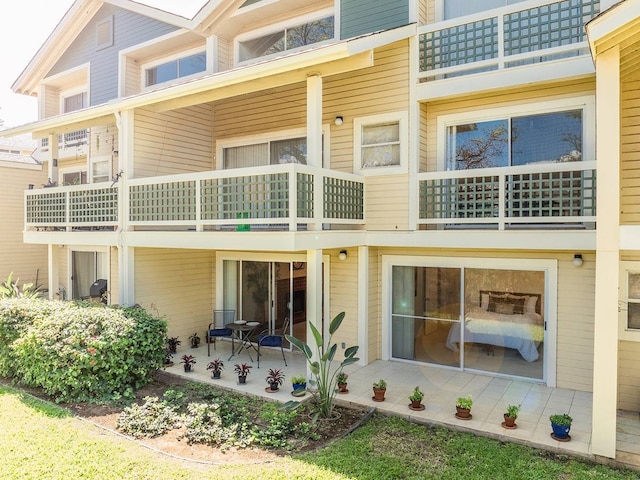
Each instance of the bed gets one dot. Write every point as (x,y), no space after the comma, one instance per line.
(503,319)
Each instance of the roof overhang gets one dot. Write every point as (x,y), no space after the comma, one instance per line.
(613,26)
(326,60)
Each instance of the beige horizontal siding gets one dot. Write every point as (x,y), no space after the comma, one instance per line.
(343,296)
(133,78)
(630,153)
(387,202)
(508,97)
(629,376)
(225,54)
(177,284)
(27,262)
(178,141)
(114,277)
(51,101)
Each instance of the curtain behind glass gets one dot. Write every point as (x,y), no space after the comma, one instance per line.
(246,156)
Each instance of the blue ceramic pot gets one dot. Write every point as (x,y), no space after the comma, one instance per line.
(561,431)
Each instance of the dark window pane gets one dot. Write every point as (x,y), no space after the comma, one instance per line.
(478,145)
(550,137)
(193,64)
(310,33)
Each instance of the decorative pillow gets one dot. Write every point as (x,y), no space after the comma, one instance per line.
(484,301)
(494,300)
(506,304)
(505,308)
(519,301)
(530,305)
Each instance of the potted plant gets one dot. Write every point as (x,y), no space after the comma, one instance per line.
(510,416)
(242,369)
(195,340)
(416,399)
(463,407)
(561,424)
(173,343)
(299,385)
(275,378)
(168,358)
(188,361)
(379,389)
(216,367)
(342,382)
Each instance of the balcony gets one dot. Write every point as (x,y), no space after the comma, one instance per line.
(501,39)
(69,144)
(560,195)
(283,197)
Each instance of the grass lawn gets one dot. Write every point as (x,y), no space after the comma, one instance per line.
(42,441)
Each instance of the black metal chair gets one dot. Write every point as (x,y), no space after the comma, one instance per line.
(273,338)
(217,327)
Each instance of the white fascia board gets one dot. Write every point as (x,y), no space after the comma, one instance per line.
(612,20)
(103,239)
(218,80)
(379,39)
(152,12)
(583,240)
(512,77)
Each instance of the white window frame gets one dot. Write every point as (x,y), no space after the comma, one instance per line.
(624,333)
(64,94)
(106,262)
(402,118)
(585,103)
(272,137)
(176,56)
(109,22)
(291,22)
(548,266)
(72,169)
(99,159)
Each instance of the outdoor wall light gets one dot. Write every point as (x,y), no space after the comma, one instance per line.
(342,255)
(577,260)
(339,120)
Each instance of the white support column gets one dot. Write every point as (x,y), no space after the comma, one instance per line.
(605,343)
(314,297)
(53,271)
(126,254)
(314,143)
(52,166)
(363,305)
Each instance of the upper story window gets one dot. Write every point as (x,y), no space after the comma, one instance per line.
(520,138)
(288,37)
(73,102)
(268,152)
(179,67)
(380,143)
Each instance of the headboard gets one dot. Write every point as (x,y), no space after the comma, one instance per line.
(515,294)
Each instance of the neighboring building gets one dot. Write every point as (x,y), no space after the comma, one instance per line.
(427,166)
(19,171)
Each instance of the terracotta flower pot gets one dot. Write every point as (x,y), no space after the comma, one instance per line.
(509,422)
(416,404)
(463,412)
(378,394)
(342,387)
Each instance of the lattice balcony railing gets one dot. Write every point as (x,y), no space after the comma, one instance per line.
(561,193)
(504,38)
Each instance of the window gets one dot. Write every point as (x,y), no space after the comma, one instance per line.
(73,177)
(380,142)
(270,152)
(176,68)
(104,33)
(460,8)
(287,38)
(100,169)
(629,301)
(74,102)
(517,140)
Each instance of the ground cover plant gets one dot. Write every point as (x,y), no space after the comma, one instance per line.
(41,440)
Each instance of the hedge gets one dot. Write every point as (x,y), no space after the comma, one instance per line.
(79,351)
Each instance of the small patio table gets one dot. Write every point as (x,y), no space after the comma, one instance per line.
(242,332)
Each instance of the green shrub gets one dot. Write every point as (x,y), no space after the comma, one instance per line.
(80,351)
(204,424)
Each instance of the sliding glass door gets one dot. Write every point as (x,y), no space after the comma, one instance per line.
(480,319)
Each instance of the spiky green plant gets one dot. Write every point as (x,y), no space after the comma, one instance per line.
(9,289)
(325,378)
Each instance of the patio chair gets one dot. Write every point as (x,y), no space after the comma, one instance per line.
(273,338)
(217,328)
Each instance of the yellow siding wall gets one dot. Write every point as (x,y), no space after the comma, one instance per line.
(630,153)
(51,102)
(133,78)
(179,285)
(27,262)
(575,317)
(225,55)
(178,141)
(506,98)
(374,308)
(343,296)
(387,202)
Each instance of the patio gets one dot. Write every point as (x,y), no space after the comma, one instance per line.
(441,387)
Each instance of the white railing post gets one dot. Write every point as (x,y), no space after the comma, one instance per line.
(67,210)
(199,225)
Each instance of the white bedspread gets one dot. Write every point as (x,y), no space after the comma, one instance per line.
(521,332)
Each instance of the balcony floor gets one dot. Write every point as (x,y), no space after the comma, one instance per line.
(490,395)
